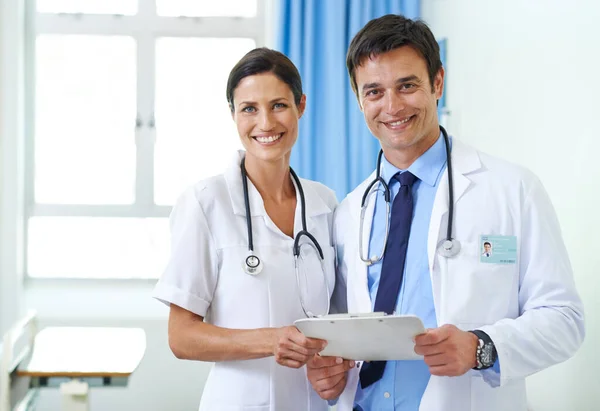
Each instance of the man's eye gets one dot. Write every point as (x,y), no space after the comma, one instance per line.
(407,86)
(372,93)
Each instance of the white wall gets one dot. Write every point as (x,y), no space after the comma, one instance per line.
(11,151)
(523,85)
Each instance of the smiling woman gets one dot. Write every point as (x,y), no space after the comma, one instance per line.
(251,253)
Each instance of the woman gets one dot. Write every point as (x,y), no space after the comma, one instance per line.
(232,283)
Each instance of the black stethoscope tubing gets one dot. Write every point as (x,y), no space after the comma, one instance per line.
(298,236)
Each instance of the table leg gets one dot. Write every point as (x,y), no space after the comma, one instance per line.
(74,395)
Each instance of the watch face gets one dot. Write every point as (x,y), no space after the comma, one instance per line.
(487,355)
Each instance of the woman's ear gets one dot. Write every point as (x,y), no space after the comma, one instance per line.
(302,105)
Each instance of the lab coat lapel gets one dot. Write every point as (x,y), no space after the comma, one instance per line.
(464,160)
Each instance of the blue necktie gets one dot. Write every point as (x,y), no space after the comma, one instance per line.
(392,268)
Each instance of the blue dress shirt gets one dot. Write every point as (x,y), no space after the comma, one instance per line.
(404,382)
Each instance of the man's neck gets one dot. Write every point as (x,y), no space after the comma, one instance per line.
(403,158)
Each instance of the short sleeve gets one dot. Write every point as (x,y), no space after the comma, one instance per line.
(190,277)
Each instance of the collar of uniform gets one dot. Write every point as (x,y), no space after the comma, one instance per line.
(233,177)
(315,205)
(427,168)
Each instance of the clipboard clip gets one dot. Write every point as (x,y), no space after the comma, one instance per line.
(356,315)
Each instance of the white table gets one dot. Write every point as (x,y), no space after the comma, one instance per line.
(77,358)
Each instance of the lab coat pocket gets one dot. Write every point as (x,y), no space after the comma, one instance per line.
(477,292)
(511,396)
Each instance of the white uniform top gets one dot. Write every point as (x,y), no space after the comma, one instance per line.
(209,244)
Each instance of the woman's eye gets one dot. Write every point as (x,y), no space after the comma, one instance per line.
(248,109)
(279,105)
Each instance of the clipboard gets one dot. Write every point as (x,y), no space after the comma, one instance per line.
(365,337)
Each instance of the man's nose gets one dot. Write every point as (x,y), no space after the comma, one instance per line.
(394,103)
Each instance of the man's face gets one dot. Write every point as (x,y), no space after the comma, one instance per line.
(397,99)
(487,248)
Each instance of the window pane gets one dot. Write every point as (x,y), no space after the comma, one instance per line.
(196,137)
(195,8)
(126,7)
(97,247)
(85,119)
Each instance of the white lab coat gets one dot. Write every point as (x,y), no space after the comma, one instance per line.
(531,309)
(205,275)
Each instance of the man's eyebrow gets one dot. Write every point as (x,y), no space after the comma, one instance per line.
(370,86)
(412,77)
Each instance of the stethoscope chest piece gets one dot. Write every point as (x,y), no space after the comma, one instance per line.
(448,248)
(252,265)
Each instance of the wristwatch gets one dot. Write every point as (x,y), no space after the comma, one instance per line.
(486,351)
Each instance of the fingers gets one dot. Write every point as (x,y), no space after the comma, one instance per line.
(436,360)
(334,391)
(426,350)
(312,344)
(285,356)
(326,373)
(434,336)
(293,349)
(319,362)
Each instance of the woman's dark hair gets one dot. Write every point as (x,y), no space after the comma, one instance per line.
(388,33)
(264,60)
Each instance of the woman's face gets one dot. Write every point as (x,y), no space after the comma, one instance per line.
(266,116)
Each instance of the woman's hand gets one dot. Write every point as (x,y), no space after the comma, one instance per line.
(293,349)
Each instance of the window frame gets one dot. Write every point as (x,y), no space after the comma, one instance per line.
(145,28)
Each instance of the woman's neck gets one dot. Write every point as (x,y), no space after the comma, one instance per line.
(271,178)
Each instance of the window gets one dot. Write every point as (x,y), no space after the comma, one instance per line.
(125,97)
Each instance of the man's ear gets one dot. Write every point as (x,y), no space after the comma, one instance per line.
(438,83)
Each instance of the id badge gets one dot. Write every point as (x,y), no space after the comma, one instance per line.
(498,249)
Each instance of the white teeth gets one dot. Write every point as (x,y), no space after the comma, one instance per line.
(397,123)
(268,139)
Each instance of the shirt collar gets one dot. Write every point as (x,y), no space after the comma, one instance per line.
(427,168)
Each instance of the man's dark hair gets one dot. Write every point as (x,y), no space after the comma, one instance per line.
(388,33)
(486,243)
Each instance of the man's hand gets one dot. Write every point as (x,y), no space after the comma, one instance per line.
(292,349)
(448,351)
(327,375)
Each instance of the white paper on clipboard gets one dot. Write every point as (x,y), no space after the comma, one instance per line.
(365,337)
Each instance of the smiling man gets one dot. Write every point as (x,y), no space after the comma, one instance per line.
(490,321)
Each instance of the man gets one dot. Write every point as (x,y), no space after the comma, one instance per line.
(490,323)
(487,249)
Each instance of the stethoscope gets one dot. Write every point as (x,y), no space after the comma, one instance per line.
(253,265)
(448,247)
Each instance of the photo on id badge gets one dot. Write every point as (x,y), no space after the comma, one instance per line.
(498,249)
